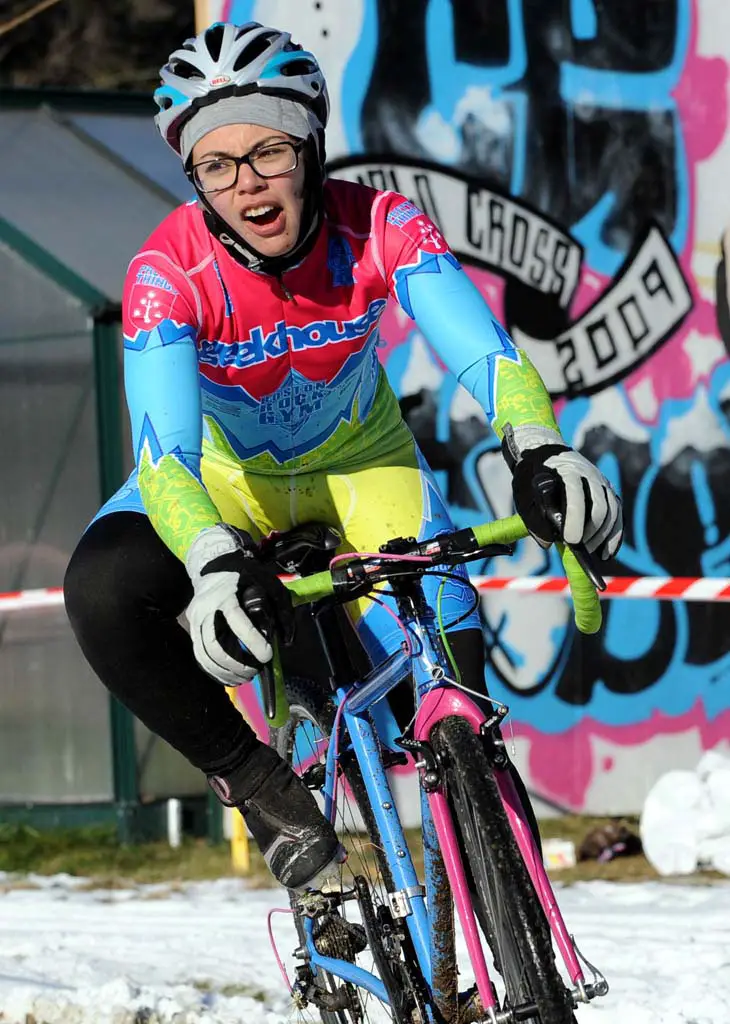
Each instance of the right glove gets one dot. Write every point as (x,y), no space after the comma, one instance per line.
(590,507)
(222,566)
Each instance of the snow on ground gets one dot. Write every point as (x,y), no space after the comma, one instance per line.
(201,953)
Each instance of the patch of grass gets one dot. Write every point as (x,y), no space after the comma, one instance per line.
(96,854)
(635,868)
(576,827)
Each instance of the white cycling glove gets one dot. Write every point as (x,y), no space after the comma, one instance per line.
(590,507)
(225,572)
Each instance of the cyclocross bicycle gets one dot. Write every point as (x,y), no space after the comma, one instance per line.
(380,943)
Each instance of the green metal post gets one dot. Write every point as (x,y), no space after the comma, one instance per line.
(111,476)
(106,319)
(109,420)
(214,814)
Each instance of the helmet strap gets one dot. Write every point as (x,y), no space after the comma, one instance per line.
(312,215)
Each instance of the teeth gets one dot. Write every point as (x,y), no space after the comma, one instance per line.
(258,211)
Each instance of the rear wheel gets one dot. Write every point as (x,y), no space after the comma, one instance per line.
(303,741)
(505,900)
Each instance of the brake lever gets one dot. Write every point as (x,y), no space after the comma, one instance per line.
(588,564)
(546,487)
(255,605)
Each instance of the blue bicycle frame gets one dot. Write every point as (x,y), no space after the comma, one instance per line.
(357,705)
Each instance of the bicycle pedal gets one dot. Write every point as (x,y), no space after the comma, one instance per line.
(335,937)
(314,776)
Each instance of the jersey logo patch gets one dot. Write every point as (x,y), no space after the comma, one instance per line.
(419,228)
(151,299)
(403,213)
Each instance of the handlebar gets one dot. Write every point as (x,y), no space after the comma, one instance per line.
(358,576)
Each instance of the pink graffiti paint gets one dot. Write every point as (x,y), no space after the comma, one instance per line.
(562,766)
(701,97)
(701,100)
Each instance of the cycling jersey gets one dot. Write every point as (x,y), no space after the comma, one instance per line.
(282,375)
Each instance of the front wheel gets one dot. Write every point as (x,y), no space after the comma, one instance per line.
(505,901)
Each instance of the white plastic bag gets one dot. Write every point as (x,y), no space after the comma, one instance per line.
(685,821)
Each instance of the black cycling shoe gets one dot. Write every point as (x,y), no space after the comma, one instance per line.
(298,843)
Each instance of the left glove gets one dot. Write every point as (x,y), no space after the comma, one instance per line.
(590,507)
(222,565)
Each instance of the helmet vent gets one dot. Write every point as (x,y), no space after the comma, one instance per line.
(184,69)
(243,30)
(214,40)
(298,66)
(253,51)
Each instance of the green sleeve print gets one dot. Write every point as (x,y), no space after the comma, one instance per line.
(163,395)
(520,397)
(431,286)
(176,502)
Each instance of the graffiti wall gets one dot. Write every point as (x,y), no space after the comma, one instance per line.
(575,154)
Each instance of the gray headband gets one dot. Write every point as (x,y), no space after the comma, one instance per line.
(275,112)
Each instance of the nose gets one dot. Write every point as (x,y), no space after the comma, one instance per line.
(248,181)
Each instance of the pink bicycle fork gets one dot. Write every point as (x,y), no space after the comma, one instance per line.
(436,705)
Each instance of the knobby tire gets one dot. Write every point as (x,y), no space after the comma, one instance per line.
(505,901)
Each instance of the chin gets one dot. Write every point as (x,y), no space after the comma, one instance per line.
(281,249)
(271,247)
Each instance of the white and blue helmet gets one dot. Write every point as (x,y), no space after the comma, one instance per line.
(235,60)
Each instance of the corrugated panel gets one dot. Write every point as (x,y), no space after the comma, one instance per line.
(32,305)
(84,208)
(135,140)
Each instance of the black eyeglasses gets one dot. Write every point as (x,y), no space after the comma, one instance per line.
(269,161)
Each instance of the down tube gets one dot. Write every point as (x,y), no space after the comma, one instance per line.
(367,752)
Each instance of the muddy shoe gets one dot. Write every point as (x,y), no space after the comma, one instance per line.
(299,845)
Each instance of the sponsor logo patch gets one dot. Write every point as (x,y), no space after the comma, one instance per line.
(419,228)
(151,299)
(260,346)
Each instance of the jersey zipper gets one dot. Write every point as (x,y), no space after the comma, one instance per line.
(287,293)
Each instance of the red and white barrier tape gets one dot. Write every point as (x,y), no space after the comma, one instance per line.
(29,600)
(664,588)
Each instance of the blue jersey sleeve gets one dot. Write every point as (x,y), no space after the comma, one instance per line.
(163,395)
(431,286)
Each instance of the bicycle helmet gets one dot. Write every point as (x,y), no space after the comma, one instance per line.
(226,61)
(233,60)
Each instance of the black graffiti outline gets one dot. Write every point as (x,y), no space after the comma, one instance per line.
(352,163)
(471,182)
(607,382)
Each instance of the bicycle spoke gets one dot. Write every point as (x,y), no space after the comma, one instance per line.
(306,746)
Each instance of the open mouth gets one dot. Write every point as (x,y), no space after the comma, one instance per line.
(263,216)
